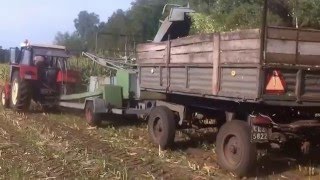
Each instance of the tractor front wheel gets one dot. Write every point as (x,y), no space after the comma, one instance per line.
(4,99)
(93,119)
(20,93)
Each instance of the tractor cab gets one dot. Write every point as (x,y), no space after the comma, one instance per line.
(40,73)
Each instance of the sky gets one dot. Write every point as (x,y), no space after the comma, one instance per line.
(40,20)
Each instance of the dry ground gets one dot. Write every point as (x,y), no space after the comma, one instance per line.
(38,145)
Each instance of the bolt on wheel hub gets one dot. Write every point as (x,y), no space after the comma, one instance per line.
(232,150)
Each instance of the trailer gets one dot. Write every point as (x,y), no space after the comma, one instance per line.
(260,87)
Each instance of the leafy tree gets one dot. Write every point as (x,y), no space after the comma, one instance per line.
(307,12)
(127,28)
(86,24)
(61,38)
(112,31)
(71,41)
(141,22)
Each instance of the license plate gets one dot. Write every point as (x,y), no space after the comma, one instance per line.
(259,134)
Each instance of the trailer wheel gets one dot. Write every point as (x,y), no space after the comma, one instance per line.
(234,150)
(20,93)
(92,118)
(162,127)
(4,99)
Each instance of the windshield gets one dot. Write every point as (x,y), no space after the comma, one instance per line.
(59,62)
(53,58)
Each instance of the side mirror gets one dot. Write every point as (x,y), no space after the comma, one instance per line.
(14,55)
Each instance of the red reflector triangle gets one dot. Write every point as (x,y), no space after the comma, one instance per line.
(275,83)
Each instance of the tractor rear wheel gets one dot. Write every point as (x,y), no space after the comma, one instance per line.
(20,93)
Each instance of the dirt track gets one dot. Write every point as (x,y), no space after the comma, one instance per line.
(38,145)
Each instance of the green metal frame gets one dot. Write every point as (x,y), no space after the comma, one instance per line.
(72,97)
(123,77)
(113,96)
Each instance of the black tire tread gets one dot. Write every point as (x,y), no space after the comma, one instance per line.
(242,130)
(24,94)
(169,126)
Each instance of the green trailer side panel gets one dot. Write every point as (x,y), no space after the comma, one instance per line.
(113,96)
(123,77)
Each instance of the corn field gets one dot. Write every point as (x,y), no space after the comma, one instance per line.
(4,73)
(88,68)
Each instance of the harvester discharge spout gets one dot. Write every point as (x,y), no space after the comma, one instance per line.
(176,25)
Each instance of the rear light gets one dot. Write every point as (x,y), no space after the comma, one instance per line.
(275,83)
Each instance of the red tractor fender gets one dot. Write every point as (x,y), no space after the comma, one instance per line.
(69,76)
(27,72)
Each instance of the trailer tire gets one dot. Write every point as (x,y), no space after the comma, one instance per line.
(162,127)
(92,118)
(235,152)
(20,93)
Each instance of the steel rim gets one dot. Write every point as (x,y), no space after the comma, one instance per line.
(3,98)
(157,128)
(14,94)
(232,150)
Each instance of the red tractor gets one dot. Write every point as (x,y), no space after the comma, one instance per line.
(40,73)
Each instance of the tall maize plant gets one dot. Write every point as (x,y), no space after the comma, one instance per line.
(87,68)
(4,73)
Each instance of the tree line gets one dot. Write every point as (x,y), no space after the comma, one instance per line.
(124,29)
